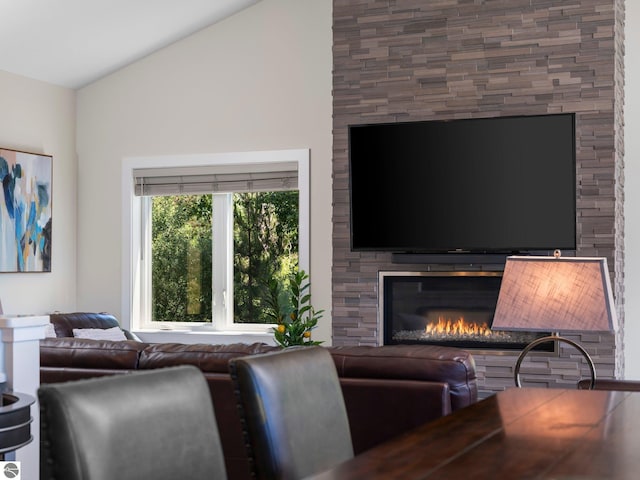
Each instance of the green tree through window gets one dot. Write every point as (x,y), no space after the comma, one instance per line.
(181,258)
(265,247)
(265,238)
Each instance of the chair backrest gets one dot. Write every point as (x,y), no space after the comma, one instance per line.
(293,412)
(610,384)
(155,425)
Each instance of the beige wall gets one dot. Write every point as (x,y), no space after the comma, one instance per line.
(40,118)
(260,80)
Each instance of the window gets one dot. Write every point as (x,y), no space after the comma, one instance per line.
(202,233)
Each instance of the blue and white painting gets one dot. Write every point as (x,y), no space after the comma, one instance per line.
(25,212)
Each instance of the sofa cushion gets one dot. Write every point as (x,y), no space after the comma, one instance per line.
(431,363)
(50,331)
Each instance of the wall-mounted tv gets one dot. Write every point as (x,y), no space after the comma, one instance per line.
(486,185)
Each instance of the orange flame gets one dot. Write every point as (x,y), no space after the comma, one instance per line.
(458,327)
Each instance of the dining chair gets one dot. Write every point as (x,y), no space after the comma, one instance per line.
(610,384)
(147,425)
(293,412)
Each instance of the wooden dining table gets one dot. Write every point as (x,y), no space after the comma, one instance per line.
(520,433)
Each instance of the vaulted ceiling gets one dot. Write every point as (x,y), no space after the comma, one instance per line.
(72,43)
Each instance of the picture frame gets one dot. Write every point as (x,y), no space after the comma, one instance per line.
(25,211)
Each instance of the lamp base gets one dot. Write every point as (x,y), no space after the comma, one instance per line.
(554,338)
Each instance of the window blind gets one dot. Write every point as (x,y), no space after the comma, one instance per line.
(240,178)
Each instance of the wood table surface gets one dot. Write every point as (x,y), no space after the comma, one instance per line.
(521,433)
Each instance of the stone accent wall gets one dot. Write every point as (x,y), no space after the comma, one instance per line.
(406,60)
(618,283)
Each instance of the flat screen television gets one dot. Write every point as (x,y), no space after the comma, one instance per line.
(488,185)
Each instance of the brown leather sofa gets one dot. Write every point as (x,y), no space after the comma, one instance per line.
(388,390)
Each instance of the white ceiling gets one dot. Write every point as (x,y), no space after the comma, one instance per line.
(71,43)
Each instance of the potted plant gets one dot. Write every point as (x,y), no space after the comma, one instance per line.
(290,307)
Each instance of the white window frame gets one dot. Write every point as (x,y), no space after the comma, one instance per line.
(136,273)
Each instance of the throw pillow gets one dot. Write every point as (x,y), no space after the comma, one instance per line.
(50,331)
(114,333)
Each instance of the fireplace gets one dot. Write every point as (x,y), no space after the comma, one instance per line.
(445,308)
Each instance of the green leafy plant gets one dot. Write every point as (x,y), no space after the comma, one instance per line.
(289,304)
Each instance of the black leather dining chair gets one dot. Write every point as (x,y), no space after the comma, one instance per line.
(610,384)
(147,425)
(293,412)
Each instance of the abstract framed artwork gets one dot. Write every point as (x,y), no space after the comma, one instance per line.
(25,211)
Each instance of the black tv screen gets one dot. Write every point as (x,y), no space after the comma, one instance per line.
(505,184)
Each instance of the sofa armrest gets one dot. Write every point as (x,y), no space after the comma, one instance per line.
(430,363)
(379,410)
(70,352)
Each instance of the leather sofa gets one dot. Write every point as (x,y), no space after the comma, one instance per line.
(388,390)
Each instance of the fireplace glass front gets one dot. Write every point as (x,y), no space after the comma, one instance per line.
(445,308)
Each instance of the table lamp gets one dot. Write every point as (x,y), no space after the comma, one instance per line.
(555,294)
